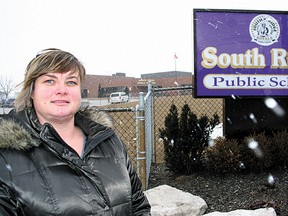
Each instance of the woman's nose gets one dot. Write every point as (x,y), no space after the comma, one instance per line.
(62,89)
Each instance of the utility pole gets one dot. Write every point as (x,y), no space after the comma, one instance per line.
(175,61)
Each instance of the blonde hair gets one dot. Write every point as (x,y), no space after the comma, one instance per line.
(47,61)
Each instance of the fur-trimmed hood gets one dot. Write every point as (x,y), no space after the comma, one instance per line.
(98,116)
(14,134)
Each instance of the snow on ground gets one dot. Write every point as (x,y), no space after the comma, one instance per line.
(217,132)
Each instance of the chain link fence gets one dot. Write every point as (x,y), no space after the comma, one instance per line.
(157,103)
(130,125)
(163,99)
(124,120)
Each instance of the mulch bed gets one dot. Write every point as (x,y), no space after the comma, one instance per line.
(228,192)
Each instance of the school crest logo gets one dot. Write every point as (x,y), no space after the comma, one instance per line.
(264,30)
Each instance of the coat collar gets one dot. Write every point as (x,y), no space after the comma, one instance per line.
(20,130)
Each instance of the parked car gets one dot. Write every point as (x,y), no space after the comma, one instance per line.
(118,97)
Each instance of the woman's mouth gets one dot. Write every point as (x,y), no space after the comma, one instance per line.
(60,102)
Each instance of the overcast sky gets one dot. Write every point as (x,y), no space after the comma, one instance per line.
(108,36)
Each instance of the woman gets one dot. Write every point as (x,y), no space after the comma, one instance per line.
(58,160)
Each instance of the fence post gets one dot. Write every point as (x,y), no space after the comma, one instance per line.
(142,149)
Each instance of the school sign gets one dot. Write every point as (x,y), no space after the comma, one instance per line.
(240,53)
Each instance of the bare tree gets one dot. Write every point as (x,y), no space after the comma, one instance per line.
(6,86)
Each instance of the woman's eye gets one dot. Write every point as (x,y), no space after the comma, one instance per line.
(72,83)
(49,81)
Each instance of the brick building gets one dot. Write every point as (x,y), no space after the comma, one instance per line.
(170,78)
(101,86)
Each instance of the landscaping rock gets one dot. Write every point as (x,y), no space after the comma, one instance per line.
(257,212)
(168,201)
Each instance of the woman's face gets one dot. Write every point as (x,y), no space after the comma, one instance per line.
(56,96)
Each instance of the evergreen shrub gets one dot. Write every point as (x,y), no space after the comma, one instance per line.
(257,152)
(253,153)
(279,139)
(185,139)
(224,156)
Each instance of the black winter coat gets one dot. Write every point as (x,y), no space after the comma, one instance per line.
(41,175)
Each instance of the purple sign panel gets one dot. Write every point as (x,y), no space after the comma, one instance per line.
(240,53)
